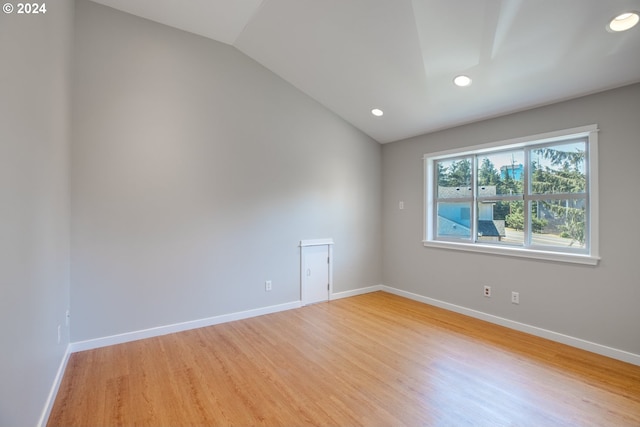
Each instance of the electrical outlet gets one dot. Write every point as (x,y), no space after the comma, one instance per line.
(515,298)
(267,286)
(401,205)
(487,291)
(67,318)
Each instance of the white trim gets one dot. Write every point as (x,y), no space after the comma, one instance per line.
(330,272)
(316,242)
(514,251)
(51,398)
(354,292)
(603,350)
(541,138)
(594,190)
(179,327)
(91,344)
(548,254)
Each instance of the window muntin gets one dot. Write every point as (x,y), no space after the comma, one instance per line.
(527,196)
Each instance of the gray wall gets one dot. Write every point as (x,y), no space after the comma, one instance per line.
(195,174)
(598,304)
(34,207)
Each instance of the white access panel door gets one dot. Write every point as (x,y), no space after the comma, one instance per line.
(316,276)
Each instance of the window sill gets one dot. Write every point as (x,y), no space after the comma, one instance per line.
(516,252)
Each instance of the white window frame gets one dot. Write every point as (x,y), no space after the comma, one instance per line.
(590,256)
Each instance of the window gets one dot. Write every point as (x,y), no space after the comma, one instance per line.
(532,197)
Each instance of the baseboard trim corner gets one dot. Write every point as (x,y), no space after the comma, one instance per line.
(354,292)
(600,349)
(51,398)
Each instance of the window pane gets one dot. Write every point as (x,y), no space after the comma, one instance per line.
(454,220)
(493,225)
(558,223)
(501,173)
(559,169)
(454,178)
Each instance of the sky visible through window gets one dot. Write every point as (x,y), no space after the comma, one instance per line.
(515,157)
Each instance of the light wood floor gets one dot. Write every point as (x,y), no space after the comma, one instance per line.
(371,360)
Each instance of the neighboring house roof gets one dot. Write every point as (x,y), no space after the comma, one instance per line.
(465,191)
(500,225)
(487,228)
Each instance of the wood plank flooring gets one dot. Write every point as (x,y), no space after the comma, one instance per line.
(370,360)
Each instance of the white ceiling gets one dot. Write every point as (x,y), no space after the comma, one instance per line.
(402,55)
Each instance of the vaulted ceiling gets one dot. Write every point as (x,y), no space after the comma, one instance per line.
(401,56)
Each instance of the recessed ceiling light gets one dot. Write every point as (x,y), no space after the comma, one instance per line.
(623,22)
(462,81)
(377,112)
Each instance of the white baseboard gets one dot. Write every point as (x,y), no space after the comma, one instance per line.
(201,323)
(44,417)
(179,327)
(522,327)
(354,292)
